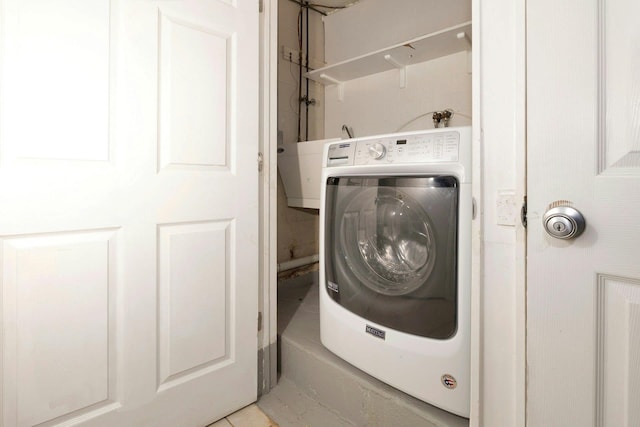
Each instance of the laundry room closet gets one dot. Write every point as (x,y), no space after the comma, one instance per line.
(374,95)
(349,69)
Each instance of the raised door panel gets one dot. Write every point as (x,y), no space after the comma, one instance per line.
(195,69)
(618,351)
(59,344)
(619,87)
(194,294)
(57,79)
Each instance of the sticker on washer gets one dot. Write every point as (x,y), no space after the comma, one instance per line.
(449,381)
(333,286)
(379,333)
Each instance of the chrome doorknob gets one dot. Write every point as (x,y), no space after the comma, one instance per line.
(564,222)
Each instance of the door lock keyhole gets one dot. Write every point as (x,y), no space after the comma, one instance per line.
(563,222)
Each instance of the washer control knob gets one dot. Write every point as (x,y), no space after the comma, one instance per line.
(377,151)
(563,222)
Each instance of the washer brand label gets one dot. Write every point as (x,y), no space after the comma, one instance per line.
(449,381)
(333,287)
(375,332)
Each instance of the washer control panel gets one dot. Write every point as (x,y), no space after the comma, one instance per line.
(432,147)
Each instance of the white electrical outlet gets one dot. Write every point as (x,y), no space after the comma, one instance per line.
(506,208)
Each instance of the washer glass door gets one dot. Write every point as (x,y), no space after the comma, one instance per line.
(391,245)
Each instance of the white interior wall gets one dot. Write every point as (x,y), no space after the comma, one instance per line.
(297,228)
(288,74)
(267,335)
(375,24)
(501,121)
(376,104)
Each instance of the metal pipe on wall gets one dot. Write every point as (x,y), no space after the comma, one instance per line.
(300,71)
(306,65)
(313,7)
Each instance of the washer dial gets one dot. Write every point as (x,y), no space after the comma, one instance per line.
(377,151)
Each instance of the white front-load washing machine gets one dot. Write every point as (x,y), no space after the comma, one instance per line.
(395,260)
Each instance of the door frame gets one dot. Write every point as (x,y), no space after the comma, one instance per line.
(520,118)
(475,348)
(514,379)
(267,376)
(268,285)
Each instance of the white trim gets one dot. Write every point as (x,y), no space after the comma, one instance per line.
(267,287)
(477,258)
(520,119)
(273,188)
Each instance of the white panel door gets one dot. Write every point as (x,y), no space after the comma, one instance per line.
(583,145)
(128,211)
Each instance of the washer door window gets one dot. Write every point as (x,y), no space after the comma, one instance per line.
(391,245)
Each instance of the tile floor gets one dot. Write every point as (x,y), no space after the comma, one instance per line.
(251,416)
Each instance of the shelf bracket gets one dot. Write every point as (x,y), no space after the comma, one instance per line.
(403,69)
(464,36)
(335,82)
